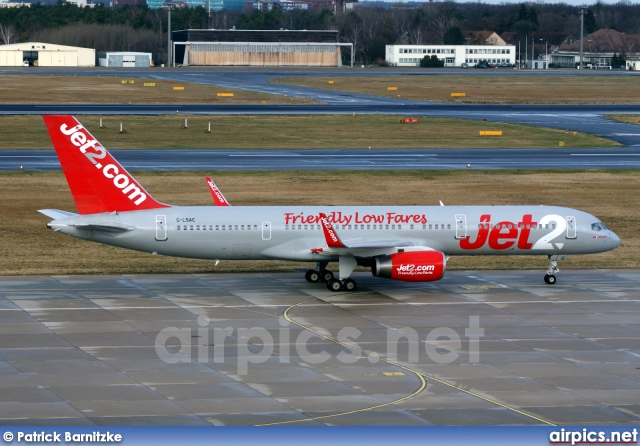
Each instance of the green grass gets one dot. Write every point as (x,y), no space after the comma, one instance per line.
(626,119)
(294,132)
(485,88)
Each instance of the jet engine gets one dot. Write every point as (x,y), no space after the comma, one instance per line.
(415,266)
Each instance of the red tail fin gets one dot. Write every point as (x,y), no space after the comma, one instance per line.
(97,181)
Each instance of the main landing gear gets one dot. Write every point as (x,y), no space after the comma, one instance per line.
(333,284)
(322,274)
(550,277)
(313,276)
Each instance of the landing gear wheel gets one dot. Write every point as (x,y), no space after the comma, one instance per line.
(325,275)
(349,285)
(334,285)
(312,276)
(550,279)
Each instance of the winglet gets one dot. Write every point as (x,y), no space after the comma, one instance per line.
(333,241)
(218,198)
(97,181)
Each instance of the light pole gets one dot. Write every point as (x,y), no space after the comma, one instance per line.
(546,53)
(581,36)
(533,46)
(168,8)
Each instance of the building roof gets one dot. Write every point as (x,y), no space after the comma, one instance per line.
(606,41)
(27,46)
(233,35)
(485,37)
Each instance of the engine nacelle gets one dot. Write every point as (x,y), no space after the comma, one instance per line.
(416,266)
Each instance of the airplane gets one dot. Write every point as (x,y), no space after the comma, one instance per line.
(406,243)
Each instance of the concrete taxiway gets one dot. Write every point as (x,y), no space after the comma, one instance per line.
(477,348)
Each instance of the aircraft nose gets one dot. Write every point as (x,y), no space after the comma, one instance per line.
(615,240)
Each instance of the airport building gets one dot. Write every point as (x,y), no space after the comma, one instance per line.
(267,48)
(124,59)
(598,49)
(46,55)
(452,55)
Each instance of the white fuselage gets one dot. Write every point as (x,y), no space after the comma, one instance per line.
(291,233)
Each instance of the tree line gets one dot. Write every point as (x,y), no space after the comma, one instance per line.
(370,27)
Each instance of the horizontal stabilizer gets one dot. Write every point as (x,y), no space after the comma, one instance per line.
(105,227)
(56,213)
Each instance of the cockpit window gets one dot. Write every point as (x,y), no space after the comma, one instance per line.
(598,226)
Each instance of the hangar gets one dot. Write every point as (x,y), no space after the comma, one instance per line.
(46,55)
(124,59)
(257,48)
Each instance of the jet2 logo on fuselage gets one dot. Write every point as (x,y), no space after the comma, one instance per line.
(506,234)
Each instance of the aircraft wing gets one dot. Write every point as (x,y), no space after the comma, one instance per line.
(218,198)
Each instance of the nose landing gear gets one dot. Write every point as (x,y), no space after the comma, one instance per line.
(550,277)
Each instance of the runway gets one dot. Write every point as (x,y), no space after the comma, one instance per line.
(343,159)
(477,348)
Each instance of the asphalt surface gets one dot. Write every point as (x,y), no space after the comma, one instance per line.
(244,349)
(442,159)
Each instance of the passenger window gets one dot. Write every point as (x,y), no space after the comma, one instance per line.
(242,227)
(410,226)
(217,227)
(210,227)
(235,227)
(179,227)
(449,226)
(191,227)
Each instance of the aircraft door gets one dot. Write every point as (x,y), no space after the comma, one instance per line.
(461,226)
(161,227)
(266,230)
(571,227)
